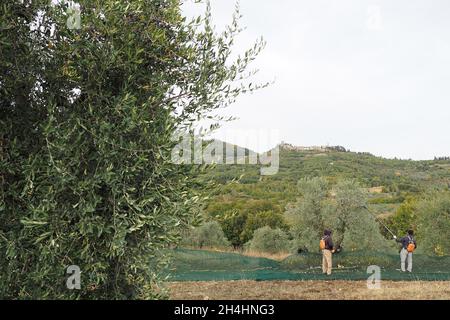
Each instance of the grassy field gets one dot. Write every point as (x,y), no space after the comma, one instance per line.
(309,290)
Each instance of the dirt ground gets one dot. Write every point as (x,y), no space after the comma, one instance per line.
(308,290)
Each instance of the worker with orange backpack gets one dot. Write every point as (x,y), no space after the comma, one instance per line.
(327,247)
(408,246)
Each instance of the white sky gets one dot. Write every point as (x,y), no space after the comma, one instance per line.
(370,75)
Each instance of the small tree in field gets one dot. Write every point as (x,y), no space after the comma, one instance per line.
(88,108)
(259,220)
(269,240)
(209,235)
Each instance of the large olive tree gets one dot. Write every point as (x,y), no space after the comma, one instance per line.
(311,213)
(88,106)
(339,208)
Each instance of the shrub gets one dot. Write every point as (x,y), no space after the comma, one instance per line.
(269,240)
(405,217)
(209,235)
(259,220)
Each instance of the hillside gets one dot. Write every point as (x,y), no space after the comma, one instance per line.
(242,193)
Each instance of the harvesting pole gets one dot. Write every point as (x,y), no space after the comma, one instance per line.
(379,220)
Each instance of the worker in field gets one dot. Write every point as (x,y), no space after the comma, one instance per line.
(327,248)
(408,246)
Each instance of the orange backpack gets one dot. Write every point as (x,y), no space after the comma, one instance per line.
(322,244)
(411,246)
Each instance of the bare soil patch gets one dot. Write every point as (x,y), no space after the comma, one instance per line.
(309,290)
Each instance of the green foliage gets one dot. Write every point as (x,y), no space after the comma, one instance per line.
(233,226)
(209,235)
(240,225)
(339,209)
(363,233)
(240,217)
(387,200)
(217,209)
(242,190)
(86,124)
(405,217)
(433,229)
(269,240)
(356,228)
(428,216)
(259,220)
(310,215)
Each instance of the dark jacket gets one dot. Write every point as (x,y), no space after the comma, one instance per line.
(328,243)
(405,241)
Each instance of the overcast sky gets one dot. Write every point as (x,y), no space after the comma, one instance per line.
(370,75)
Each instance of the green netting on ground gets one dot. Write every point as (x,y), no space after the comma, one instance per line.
(199,265)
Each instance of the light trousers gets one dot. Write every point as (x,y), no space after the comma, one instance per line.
(406,259)
(326,261)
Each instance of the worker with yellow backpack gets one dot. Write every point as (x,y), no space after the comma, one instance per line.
(327,247)
(408,246)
